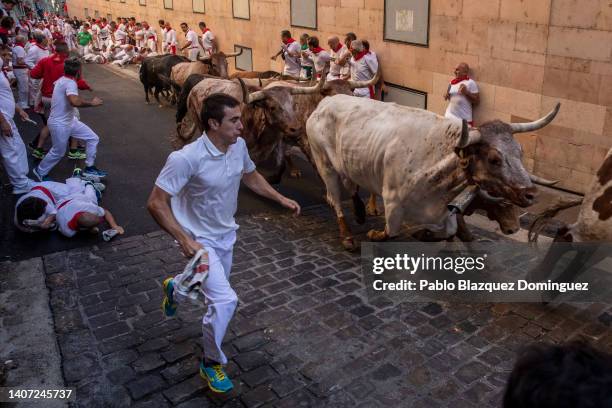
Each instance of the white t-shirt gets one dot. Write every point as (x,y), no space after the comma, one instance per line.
(171,37)
(207,40)
(7,101)
(18,53)
(363,69)
(204,183)
(51,193)
(67,214)
(120,35)
(337,71)
(35,53)
(459,106)
(104,32)
(292,64)
(193,37)
(319,60)
(62,112)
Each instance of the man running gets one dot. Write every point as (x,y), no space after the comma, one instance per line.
(194,199)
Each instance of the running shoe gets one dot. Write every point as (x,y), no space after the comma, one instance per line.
(38,153)
(75,154)
(38,176)
(92,173)
(215,376)
(168,304)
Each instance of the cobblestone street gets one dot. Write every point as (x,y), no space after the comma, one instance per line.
(304,334)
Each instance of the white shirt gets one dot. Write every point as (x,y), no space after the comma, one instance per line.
(62,112)
(459,106)
(319,60)
(193,37)
(67,214)
(163,34)
(58,192)
(171,37)
(18,53)
(204,183)
(338,71)
(363,69)
(292,64)
(35,53)
(104,32)
(7,101)
(120,35)
(207,40)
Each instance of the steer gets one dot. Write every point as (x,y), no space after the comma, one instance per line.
(268,115)
(153,71)
(416,160)
(594,225)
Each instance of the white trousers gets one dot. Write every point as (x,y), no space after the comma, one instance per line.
(152,44)
(104,43)
(15,160)
(60,134)
(193,53)
(220,298)
(22,87)
(33,91)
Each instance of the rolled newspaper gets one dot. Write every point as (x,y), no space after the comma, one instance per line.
(193,277)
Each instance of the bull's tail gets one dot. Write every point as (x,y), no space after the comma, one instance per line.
(542,219)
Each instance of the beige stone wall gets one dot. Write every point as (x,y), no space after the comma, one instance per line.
(525,54)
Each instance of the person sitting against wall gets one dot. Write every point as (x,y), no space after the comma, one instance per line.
(462,94)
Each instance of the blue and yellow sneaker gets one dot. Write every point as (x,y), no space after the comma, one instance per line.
(168,304)
(216,378)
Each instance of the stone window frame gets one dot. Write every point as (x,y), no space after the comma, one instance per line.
(203,6)
(242,18)
(417,44)
(316,9)
(166,4)
(405,88)
(142,3)
(244,48)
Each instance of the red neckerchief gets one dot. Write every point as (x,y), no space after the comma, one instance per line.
(20,44)
(205,31)
(455,81)
(58,57)
(46,192)
(289,41)
(73,224)
(317,50)
(42,48)
(360,55)
(3,30)
(338,47)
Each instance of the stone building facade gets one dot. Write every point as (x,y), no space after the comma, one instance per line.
(525,55)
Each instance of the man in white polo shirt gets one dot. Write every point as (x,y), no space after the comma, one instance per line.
(339,67)
(191,45)
(291,52)
(194,199)
(363,68)
(462,94)
(208,41)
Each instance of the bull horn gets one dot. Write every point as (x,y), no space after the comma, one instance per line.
(234,54)
(538,124)
(484,194)
(365,84)
(255,96)
(204,59)
(542,181)
(468,137)
(245,91)
(304,90)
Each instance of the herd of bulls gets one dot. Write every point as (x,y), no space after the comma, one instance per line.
(417,161)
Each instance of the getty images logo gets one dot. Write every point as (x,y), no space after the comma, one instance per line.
(414,264)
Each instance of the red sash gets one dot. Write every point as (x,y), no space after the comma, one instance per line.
(63,204)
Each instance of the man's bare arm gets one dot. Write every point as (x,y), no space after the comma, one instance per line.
(159,207)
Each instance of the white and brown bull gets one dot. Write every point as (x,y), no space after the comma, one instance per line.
(594,225)
(416,160)
(268,115)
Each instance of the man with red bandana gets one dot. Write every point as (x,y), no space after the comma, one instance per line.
(338,67)
(291,52)
(317,55)
(362,68)
(462,94)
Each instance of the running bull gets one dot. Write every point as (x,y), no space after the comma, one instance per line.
(416,160)
(154,72)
